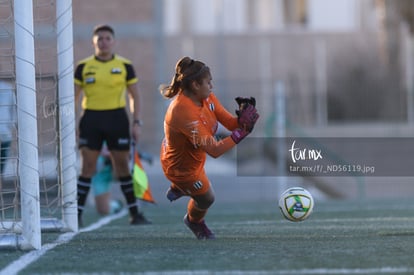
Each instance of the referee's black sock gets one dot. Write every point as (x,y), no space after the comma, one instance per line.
(84,184)
(128,190)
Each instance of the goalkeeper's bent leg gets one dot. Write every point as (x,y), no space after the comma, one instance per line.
(198,206)
(195,214)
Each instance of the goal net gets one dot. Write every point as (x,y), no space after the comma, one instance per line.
(37,125)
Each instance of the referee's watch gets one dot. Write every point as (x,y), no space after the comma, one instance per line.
(137,122)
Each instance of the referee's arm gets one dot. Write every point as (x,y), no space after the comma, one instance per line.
(134,107)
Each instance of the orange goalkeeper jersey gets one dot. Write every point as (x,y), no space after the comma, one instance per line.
(189,135)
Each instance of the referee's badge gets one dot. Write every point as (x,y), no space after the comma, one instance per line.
(90,80)
(116,71)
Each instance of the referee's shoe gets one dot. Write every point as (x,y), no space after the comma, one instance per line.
(138,219)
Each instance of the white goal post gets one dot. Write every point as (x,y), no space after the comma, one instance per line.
(66,103)
(28,168)
(36,199)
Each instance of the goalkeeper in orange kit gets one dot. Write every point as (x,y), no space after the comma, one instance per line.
(190,124)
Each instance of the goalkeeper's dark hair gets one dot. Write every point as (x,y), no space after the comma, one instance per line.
(187,70)
(107,28)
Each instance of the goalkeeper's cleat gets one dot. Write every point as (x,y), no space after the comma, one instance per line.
(200,230)
(138,219)
(174,194)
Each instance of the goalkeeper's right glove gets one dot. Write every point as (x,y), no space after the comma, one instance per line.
(238,135)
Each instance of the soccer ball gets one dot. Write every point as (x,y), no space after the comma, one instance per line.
(296,204)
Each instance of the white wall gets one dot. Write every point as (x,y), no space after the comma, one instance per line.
(237,16)
(201,16)
(333,15)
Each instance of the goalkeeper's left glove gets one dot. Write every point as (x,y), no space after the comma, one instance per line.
(243,102)
(247,116)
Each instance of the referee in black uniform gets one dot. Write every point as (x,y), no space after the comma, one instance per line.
(103,78)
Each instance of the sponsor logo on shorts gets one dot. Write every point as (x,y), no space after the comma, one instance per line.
(122,141)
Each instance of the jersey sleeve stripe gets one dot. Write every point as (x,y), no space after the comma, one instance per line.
(131,76)
(78,73)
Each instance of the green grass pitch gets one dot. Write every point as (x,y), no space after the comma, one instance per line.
(340,237)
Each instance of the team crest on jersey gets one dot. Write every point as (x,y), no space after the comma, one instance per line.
(212,107)
(116,71)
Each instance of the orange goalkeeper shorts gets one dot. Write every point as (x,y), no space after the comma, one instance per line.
(194,188)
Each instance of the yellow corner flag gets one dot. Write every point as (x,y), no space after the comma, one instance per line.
(140,180)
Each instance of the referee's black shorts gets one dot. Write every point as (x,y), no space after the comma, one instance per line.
(111,126)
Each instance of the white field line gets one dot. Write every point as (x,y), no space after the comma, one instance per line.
(326,221)
(32,256)
(21,263)
(314,271)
